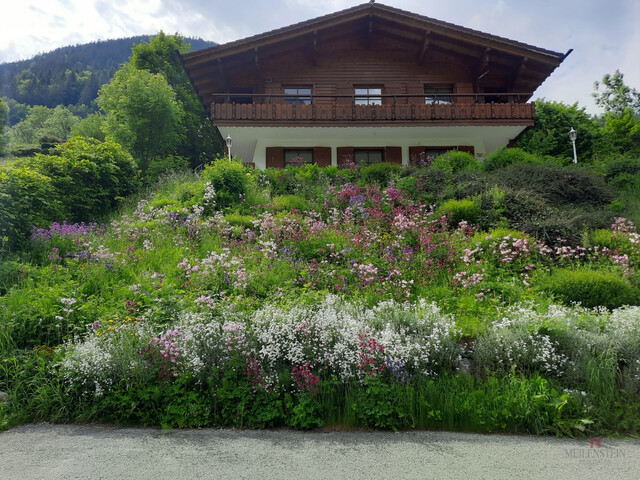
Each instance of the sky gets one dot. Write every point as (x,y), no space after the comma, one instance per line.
(603,34)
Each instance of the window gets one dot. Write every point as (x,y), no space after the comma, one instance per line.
(297,156)
(243,95)
(437,94)
(368,156)
(300,95)
(368,95)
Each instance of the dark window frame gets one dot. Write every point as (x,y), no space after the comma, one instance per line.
(301,97)
(288,152)
(438,94)
(359,152)
(367,95)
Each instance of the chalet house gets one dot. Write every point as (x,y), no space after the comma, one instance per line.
(371,83)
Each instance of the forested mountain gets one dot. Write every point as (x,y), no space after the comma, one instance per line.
(70,75)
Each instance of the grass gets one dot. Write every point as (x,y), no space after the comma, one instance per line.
(367,246)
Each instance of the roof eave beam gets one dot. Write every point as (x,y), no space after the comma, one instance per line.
(425,47)
(516,78)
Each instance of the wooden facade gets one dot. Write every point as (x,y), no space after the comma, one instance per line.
(370,65)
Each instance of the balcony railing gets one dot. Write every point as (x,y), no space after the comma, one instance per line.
(341,109)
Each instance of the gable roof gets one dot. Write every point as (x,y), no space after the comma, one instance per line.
(533,64)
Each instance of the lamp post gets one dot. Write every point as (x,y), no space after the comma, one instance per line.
(572,136)
(228,139)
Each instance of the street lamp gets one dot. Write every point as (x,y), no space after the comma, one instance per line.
(572,136)
(229,146)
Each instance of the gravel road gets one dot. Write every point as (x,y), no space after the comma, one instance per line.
(99,452)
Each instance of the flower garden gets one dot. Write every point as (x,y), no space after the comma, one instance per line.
(441,297)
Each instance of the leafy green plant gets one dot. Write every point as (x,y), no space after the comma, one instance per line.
(380,173)
(27,198)
(590,288)
(161,166)
(505,157)
(90,177)
(229,181)
(290,202)
(459,210)
(456,161)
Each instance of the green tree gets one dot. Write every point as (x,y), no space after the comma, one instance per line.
(550,135)
(614,96)
(200,143)
(60,123)
(17,111)
(4,122)
(142,114)
(90,127)
(27,131)
(621,133)
(43,121)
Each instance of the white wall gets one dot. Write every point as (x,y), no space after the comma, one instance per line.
(250,143)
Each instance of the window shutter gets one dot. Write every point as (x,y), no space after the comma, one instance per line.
(322,156)
(275,157)
(414,154)
(342,151)
(468,149)
(393,155)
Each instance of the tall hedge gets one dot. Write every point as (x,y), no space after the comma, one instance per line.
(83,181)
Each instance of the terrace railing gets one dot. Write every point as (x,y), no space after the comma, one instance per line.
(451,108)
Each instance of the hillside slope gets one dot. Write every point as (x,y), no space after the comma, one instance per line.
(70,75)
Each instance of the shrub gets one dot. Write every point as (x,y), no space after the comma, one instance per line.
(621,165)
(455,161)
(626,182)
(25,150)
(243,221)
(90,177)
(229,181)
(558,225)
(426,185)
(468,183)
(27,198)
(492,205)
(380,173)
(556,184)
(10,274)
(161,166)
(290,202)
(506,157)
(605,238)
(459,210)
(590,288)
(317,246)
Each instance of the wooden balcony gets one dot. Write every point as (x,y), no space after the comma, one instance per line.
(392,110)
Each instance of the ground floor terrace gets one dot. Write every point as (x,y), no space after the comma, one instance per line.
(278,146)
